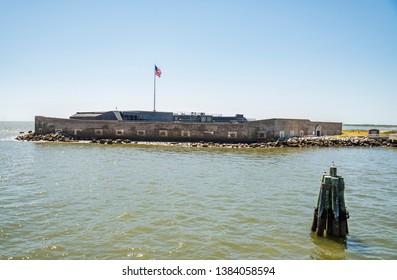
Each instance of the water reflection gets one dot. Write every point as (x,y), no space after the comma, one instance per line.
(328,248)
(358,249)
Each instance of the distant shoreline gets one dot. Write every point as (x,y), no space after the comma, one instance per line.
(375,125)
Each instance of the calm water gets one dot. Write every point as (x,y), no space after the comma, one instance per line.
(368,127)
(90,201)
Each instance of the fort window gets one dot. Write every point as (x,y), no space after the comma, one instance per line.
(163,133)
(232,134)
(130,117)
(185,133)
(301,133)
(206,119)
(318,130)
(98,131)
(292,133)
(141,132)
(77,132)
(282,134)
(261,134)
(120,132)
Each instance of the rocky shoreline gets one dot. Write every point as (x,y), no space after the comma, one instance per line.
(297,142)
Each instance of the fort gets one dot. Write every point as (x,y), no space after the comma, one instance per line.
(181,127)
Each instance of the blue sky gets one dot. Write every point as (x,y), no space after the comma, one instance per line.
(318,60)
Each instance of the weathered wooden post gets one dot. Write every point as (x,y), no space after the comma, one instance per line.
(331,214)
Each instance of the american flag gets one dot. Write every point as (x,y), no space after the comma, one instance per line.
(157,71)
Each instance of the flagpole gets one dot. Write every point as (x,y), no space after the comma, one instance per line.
(154,94)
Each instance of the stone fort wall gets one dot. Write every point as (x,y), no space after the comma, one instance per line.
(287,128)
(252,131)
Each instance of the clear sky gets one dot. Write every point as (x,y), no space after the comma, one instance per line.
(320,60)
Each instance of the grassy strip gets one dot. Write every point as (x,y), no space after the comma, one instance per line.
(364,133)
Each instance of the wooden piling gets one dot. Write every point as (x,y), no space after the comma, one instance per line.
(330,214)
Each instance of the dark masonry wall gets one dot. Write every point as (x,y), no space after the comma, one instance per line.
(144,131)
(247,132)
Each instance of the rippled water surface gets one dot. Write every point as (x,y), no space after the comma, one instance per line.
(91,201)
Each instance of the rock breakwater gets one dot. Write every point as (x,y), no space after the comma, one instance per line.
(53,137)
(301,142)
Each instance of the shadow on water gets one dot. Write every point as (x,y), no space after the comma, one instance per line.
(338,248)
(328,248)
